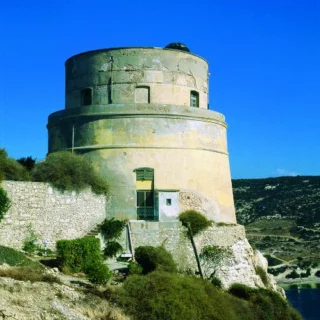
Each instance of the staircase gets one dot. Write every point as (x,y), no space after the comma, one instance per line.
(94,232)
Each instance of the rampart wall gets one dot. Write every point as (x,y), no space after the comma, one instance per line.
(51,214)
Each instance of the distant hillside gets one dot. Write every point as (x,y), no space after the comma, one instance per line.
(282,219)
(296,198)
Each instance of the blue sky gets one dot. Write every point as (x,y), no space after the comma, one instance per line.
(264,58)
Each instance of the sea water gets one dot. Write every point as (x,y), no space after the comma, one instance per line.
(306,301)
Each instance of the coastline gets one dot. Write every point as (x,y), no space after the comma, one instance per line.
(305,283)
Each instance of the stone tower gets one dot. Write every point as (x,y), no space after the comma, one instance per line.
(141,115)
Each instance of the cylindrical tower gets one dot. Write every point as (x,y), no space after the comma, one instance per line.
(141,116)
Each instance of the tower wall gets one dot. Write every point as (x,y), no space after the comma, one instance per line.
(114,74)
(185,146)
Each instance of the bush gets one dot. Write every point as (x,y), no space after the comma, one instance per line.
(152,258)
(112,248)
(216,282)
(263,275)
(30,243)
(317,273)
(68,171)
(134,268)
(241,291)
(10,169)
(162,295)
(98,273)
(265,304)
(195,220)
(83,255)
(111,230)
(79,254)
(27,162)
(5,203)
(293,275)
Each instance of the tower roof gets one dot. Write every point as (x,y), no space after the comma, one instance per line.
(178,46)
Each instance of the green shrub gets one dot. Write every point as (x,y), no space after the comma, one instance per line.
(195,220)
(293,275)
(265,304)
(83,255)
(13,257)
(241,291)
(98,273)
(152,258)
(162,295)
(30,243)
(111,229)
(263,275)
(112,248)
(79,254)
(27,162)
(134,268)
(10,169)
(5,203)
(317,273)
(68,171)
(216,282)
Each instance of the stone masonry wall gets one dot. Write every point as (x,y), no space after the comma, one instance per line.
(239,267)
(51,214)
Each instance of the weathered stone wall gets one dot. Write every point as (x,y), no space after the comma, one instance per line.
(239,267)
(51,214)
(115,74)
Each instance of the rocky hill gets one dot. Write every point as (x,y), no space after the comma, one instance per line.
(282,219)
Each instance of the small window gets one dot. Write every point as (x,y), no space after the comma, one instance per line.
(142,94)
(168,202)
(194,99)
(86,97)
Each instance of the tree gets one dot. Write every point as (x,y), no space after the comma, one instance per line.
(5,203)
(27,162)
(68,171)
(213,258)
(10,169)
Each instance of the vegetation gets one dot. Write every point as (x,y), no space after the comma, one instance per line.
(28,162)
(30,243)
(282,219)
(264,304)
(263,276)
(292,197)
(195,220)
(68,171)
(5,203)
(28,274)
(10,169)
(83,255)
(162,295)
(155,258)
(212,259)
(13,257)
(111,230)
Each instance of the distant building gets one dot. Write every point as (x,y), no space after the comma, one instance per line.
(141,115)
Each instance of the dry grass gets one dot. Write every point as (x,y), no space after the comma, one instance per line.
(28,274)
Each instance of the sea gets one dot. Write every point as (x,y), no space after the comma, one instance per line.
(306,301)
